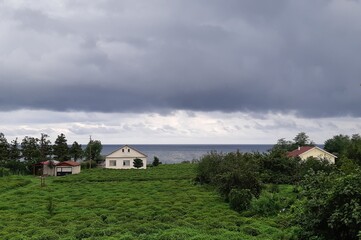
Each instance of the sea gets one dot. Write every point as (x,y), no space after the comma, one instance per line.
(176,153)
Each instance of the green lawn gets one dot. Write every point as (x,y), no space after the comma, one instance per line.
(157,203)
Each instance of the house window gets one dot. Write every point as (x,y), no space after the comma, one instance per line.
(128,150)
(112,163)
(123,150)
(126,163)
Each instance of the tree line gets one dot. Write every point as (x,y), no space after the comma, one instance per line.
(329,199)
(18,157)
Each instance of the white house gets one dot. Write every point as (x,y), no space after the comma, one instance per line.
(309,151)
(123,158)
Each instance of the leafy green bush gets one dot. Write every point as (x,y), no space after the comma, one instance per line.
(331,208)
(316,165)
(4,172)
(267,204)
(240,199)
(280,169)
(88,164)
(232,170)
(138,163)
(209,166)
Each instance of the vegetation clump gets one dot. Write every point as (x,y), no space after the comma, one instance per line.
(138,163)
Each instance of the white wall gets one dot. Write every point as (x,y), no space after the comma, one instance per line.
(123,154)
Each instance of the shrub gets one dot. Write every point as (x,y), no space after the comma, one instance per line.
(231,171)
(138,163)
(208,167)
(332,206)
(280,170)
(50,207)
(156,161)
(249,230)
(240,199)
(267,204)
(87,164)
(4,172)
(316,165)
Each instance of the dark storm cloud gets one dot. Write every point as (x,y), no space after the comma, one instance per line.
(127,56)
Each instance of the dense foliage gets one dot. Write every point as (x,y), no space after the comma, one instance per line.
(344,146)
(156,161)
(329,203)
(61,149)
(93,150)
(331,208)
(19,158)
(235,175)
(138,163)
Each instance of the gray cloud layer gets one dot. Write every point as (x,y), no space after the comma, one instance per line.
(154,56)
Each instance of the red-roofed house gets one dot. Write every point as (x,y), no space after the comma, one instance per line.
(310,151)
(56,168)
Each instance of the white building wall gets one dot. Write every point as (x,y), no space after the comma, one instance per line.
(317,153)
(125,153)
(120,165)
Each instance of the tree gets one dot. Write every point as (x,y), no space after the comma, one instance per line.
(302,139)
(354,151)
(280,169)
(338,145)
(14,163)
(14,151)
(30,151)
(138,163)
(61,149)
(76,151)
(230,171)
(4,150)
(45,147)
(93,150)
(281,148)
(156,161)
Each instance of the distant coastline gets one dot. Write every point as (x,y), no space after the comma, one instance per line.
(175,153)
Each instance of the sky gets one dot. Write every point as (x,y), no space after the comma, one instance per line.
(180,72)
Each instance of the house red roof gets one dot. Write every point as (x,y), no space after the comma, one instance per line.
(68,163)
(299,151)
(48,162)
(57,163)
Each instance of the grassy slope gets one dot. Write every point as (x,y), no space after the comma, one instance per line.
(157,203)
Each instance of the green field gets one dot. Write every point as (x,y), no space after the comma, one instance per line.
(158,203)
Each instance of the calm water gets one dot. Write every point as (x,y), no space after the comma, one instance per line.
(178,153)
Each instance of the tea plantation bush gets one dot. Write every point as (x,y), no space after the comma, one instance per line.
(158,203)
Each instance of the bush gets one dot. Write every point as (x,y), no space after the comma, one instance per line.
(138,163)
(240,199)
(86,164)
(4,172)
(231,171)
(316,165)
(267,204)
(208,167)
(280,170)
(156,161)
(332,206)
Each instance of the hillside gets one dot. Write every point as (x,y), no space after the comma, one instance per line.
(157,203)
